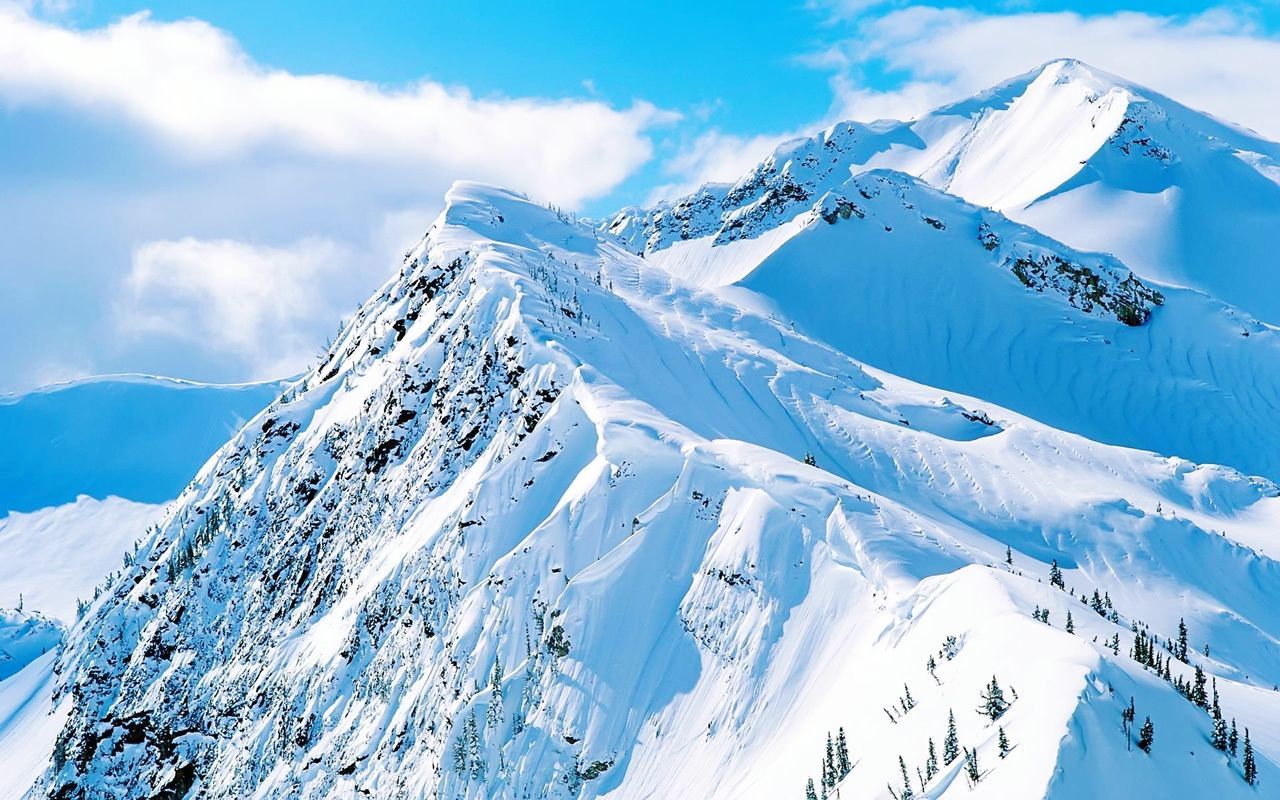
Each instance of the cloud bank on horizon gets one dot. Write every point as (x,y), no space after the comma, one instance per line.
(175,205)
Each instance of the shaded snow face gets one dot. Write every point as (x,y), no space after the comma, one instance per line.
(137,437)
(548,521)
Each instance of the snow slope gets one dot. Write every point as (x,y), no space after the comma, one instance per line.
(54,556)
(550,521)
(132,436)
(1086,157)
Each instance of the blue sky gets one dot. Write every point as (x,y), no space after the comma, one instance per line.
(203,190)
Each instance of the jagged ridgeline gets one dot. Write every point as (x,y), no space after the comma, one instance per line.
(549,522)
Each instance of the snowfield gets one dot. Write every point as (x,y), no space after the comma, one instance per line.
(551,520)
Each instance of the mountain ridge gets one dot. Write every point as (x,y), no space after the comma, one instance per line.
(548,520)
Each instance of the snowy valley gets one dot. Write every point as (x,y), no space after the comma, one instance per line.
(866,476)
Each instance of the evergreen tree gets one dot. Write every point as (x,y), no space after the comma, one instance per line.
(1233,739)
(1198,695)
(829,764)
(809,792)
(1008,555)
(993,702)
(1219,738)
(1055,576)
(474,758)
(1004,743)
(908,702)
(460,753)
(971,765)
(931,763)
(951,744)
(495,715)
(1250,766)
(1216,709)
(1181,650)
(1146,736)
(1071,625)
(842,755)
(1126,722)
(907,793)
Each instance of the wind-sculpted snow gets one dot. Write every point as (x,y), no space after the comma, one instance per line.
(548,521)
(921,284)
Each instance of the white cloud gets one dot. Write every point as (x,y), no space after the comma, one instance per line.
(1217,61)
(268,305)
(190,84)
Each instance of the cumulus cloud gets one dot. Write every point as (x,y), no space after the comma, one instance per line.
(191,85)
(269,305)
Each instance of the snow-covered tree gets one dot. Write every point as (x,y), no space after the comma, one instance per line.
(1071,625)
(951,744)
(993,702)
(1146,736)
(1003,743)
(1055,575)
(1250,766)
(843,765)
(810,793)
(931,762)
(971,765)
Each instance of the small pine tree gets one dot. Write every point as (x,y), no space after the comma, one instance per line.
(951,744)
(971,765)
(1008,555)
(829,763)
(931,763)
(1146,736)
(460,754)
(907,793)
(1071,625)
(1055,576)
(1219,738)
(474,758)
(1198,694)
(1180,651)
(1250,766)
(993,702)
(1003,743)
(842,755)
(908,702)
(1233,739)
(809,792)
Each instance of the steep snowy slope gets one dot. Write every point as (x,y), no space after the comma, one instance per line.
(927,287)
(1089,158)
(132,436)
(551,522)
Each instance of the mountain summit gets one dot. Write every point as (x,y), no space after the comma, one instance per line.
(1091,159)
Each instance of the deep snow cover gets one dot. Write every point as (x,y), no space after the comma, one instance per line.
(550,520)
(1086,157)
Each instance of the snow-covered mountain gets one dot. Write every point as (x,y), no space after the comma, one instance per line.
(1089,158)
(555,520)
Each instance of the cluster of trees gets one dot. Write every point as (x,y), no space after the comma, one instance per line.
(835,767)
